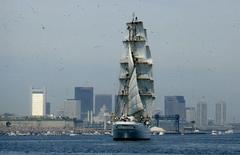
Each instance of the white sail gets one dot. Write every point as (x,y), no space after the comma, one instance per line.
(135,103)
(140,30)
(130,60)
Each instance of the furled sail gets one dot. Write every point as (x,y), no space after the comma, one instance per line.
(135,103)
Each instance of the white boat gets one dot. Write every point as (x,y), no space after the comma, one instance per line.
(230,131)
(214,132)
(161,133)
(12,134)
(136,91)
(73,134)
(157,131)
(196,131)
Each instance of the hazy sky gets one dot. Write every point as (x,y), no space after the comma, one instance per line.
(60,44)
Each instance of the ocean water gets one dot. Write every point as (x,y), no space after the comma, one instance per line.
(165,145)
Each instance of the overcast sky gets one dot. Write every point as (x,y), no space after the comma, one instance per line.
(61,44)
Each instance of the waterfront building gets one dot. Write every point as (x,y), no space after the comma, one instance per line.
(38,102)
(220,113)
(102,100)
(48,108)
(175,105)
(202,118)
(190,114)
(85,95)
(72,108)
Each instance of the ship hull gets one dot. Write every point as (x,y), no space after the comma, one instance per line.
(130,131)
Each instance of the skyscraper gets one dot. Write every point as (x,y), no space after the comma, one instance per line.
(101,100)
(85,95)
(202,118)
(72,108)
(175,105)
(38,102)
(220,113)
(48,108)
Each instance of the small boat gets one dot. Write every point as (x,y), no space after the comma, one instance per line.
(161,133)
(214,132)
(230,131)
(12,134)
(157,131)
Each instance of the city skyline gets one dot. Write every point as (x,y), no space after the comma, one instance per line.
(62,45)
(173,105)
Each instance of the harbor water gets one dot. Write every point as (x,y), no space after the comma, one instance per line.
(228,144)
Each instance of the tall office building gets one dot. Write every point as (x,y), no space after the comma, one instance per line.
(175,105)
(48,108)
(72,108)
(101,100)
(38,102)
(85,95)
(190,114)
(202,118)
(220,113)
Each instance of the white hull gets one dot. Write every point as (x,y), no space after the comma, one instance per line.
(130,131)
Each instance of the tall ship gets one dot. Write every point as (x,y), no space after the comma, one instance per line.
(135,96)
